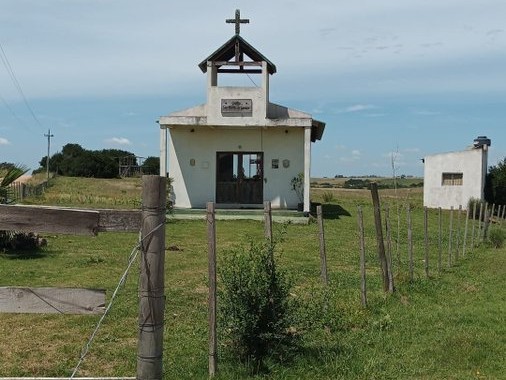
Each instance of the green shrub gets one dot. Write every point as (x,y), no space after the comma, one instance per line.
(256,310)
(497,237)
(354,183)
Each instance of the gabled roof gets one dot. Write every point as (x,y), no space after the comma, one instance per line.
(232,49)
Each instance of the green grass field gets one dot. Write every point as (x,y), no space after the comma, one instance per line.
(451,325)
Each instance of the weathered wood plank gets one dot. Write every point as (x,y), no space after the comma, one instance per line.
(51,300)
(48,219)
(119,220)
(66,378)
(67,220)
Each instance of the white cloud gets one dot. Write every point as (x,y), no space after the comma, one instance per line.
(119,141)
(358,108)
(354,155)
(4,141)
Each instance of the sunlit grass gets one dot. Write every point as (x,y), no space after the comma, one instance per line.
(448,326)
(122,193)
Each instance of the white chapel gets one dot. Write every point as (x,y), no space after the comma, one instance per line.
(238,149)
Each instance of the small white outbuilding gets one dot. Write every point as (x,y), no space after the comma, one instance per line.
(238,149)
(452,179)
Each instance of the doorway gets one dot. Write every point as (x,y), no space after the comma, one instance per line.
(239,178)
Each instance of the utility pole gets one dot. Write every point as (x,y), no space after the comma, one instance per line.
(49,135)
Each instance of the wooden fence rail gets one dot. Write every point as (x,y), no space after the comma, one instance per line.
(62,220)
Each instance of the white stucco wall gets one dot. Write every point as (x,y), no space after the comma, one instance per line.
(196,185)
(471,163)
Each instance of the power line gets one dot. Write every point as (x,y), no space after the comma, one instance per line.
(15,81)
(4,102)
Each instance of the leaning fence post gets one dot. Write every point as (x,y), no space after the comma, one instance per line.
(211,258)
(379,238)
(151,282)
(503,211)
(323,254)
(363,286)
(268,221)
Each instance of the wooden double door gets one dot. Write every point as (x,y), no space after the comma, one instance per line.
(239,178)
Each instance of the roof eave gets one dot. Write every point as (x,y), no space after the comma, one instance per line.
(271,67)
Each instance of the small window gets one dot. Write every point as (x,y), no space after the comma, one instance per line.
(452,179)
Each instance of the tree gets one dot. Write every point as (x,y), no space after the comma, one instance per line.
(151,165)
(75,161)
(495,187)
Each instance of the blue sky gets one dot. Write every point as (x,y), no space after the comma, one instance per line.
(402,77)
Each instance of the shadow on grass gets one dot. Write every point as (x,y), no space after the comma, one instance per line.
(28,254)
(330,210)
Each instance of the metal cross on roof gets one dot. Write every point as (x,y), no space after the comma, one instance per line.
(237,21)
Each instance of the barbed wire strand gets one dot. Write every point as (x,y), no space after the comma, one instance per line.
(132,257)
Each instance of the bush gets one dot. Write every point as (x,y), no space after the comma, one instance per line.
(497,237)
(354,183)
(256,310)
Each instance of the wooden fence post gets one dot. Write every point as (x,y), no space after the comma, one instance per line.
(474,223)
(363,286)
(480,221)
(410,245)
(389,250)
(151,282)
(379,238)
(499,221)
(398,241)
(212,320)
(485,223)
(465,233)
(440,240)
(323,254)
(268,220)
(450,238)
(457,250)
(503,211)
(426,240)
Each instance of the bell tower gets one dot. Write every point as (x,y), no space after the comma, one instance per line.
(237,105)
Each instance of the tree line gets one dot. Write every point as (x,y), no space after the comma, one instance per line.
(76,161)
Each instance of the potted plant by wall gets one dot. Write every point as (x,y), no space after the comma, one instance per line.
(297,184)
